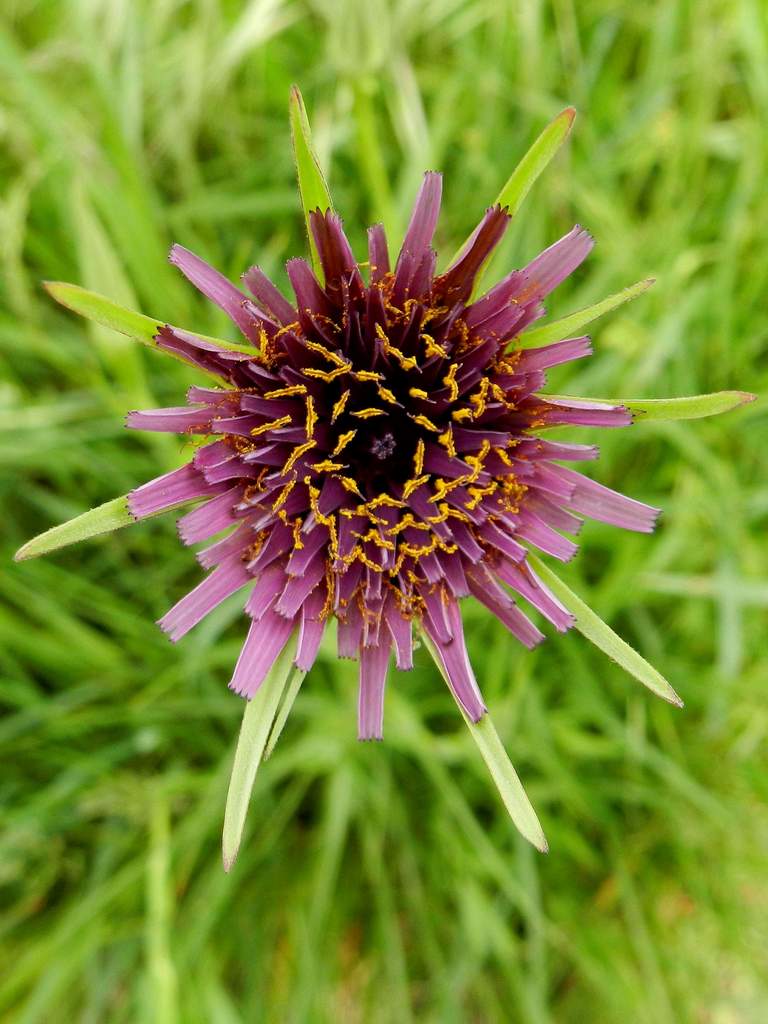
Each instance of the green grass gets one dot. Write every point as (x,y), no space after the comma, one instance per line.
(383,883)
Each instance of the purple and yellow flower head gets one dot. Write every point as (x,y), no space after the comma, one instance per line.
(382,457)
(377,451)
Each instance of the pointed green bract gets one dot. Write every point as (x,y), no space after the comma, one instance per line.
(502,771)
(524,176)
(104,311)
(601,635)
(569,325)
(291,693)
(690,407)
(112,515)
(535,161)
(258,720)
(313,189)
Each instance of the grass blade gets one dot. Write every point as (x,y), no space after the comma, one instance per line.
(257,722)
(291,693)
(568,325)
(601,635)
(313,189)
(691,407)
(112,515)
(101,310)
(502,771)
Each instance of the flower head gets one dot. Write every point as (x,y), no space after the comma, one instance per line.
(380,455)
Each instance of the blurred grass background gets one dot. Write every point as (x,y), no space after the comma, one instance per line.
(384,882)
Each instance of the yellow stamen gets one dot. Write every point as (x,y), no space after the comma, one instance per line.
(343,441)
(426,422)
(366,414)
(311,416)
(272,425)
(338,408)
(414,484)
(296,455)
(450,381)
(294,389)
(418,458)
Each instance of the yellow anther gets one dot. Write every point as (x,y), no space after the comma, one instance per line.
(431,347)
(387,395)
(407,362)
(461,414)
(294,389)
(298,543)
(295,326)
(283,495)
(332,357)
(503,456)
(338,408)
(426,422)
(349,485)
(366,414)
(326,466)
(283,421)
(418,458)
(296,455)
(450,381)
(413,484)
(343,441)
(311,416)
(325,375)
(446,440)
(385,499)
(417,393)
(369,375)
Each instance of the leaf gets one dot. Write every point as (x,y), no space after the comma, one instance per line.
(691,407)
(291,693)
(535,161)
(313,189)
(258,718)
(112,515)
(601,635)
(568,325)
(104,311)
(502,771)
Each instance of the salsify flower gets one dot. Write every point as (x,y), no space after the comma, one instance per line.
(376,452)
(381,458)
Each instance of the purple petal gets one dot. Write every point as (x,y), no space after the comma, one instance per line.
(370,702)
(455,662)
(552,266)
(455,285)
(229,577)
(268,296)
(172,489)
(553,355)
(608,506)
(211,518)
(525,581)
(311,629)
(378,254)
(217,288)
(179,420)
(426,211)
(400,630)
(266,639)
(490,593)
(334,250)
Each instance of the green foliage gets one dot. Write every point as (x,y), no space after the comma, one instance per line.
(383,882)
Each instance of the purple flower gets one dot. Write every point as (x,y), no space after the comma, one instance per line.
(379,456)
